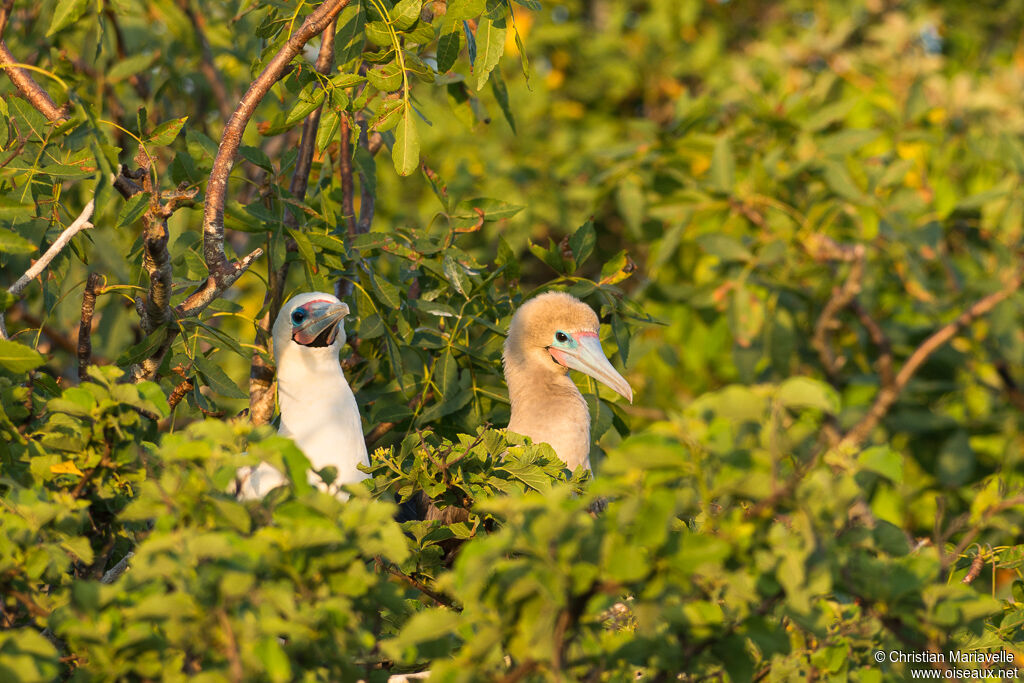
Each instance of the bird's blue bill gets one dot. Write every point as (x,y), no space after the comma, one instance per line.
(320,316)
(588,357)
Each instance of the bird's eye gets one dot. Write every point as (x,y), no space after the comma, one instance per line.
(561,337)
(298,316)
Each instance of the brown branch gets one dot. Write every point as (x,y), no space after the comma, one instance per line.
(976,566)
(367,199)
(973,532)
(206,66)
(5,14)
(888,394)
(841,298)
(36,269)
(439,598)
(235,668)
(261,373)
(879,339)
(85,326)
(222,273)
(29,89)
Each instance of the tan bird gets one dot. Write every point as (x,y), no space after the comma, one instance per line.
(548,336)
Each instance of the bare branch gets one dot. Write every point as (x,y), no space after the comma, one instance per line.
(223,274)
(367,199)
(888,395)
(879,339)
(85,326)
(261,373)
(841,298)
(115,572)
(79,224)
(27,86)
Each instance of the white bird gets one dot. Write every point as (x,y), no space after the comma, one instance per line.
(318,409)
(549,335)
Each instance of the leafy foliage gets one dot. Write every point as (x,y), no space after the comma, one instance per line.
(801,226)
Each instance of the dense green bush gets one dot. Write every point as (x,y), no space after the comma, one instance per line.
(800,222)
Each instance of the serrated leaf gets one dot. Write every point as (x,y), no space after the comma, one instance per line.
(406,151)
(66,13)
(256,156)
(19,358)
(165,133)
(217,379)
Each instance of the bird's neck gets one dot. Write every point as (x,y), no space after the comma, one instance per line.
(548,408)
(310,377)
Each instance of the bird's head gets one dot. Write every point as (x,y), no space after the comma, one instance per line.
(558,332)
(311,320)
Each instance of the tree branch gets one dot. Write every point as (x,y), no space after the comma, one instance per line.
(79,224)
(85,326)
(223,274)
(261,373)
(888,394)
(841,298)
(27,86)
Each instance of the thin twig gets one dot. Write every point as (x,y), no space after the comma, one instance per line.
(879,339)
(30,90)
(840,299)
(888,394)
(79,224)
(85,326)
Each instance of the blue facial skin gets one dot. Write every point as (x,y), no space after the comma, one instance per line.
(564,340)
(298,315)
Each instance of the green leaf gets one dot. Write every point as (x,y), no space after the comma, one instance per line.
(804,392)
(19,358)
(388,116)
(530,4)
(66,13)
(490,44)
(165,133)
(406,151)
(145,348)
(305,248)
(457,276)
(448,48)
(582,242)
(329,124)
(217,379)
(884,461)
(13,243)
(725,247)
(349,39)
(501,95)
(723,166)
(387,78)
(13,208)
(133,209)
(405,13)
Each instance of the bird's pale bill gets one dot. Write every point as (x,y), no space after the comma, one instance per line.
(587,356)
(313,319)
